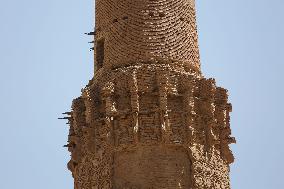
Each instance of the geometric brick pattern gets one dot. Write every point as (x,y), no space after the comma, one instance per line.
(138,30)
(148,118)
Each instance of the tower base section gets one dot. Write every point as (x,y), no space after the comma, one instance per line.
(155,125)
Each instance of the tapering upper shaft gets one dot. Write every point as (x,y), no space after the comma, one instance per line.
(131,31)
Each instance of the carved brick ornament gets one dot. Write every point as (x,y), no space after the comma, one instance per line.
(148,119)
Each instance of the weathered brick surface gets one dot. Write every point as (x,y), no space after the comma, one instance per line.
(136,30)
(148,118)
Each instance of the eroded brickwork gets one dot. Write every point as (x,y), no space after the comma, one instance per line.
(148,118)
(138,30)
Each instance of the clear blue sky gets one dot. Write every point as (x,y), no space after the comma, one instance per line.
(44,62)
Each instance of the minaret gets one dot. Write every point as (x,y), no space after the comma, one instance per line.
(148,119)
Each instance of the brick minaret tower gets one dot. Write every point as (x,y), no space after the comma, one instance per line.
(148,119)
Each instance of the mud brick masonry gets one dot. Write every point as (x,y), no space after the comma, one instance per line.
(148,119)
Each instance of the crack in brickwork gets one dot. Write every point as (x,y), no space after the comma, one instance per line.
(148,118)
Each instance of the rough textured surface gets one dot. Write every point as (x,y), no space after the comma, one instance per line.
(148,118)
(137,30)
(152,167)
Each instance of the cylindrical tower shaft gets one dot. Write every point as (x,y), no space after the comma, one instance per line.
(148,118)
(131,31)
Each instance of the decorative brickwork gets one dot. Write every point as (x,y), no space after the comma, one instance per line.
(148,118)
(138,30)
